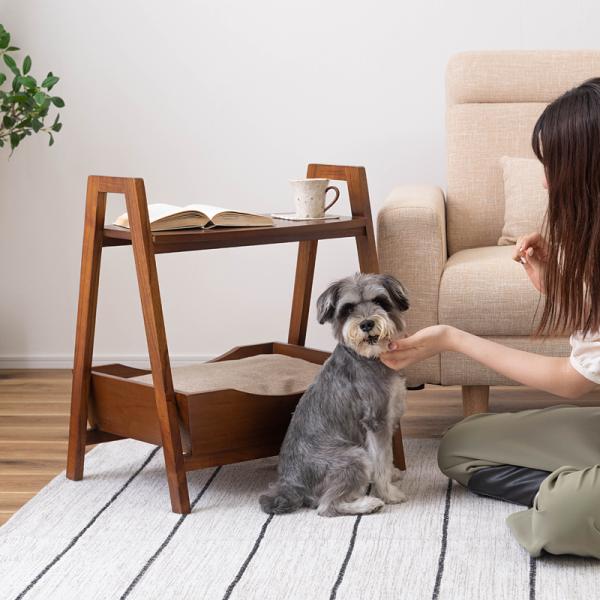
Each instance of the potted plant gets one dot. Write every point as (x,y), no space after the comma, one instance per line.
(24,106)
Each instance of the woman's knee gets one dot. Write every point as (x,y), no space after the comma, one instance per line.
(566,512)
(457,455)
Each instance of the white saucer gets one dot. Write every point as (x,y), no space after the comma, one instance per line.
(294,217)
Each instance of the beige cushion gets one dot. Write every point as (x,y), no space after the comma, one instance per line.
(525,198)
(264,374)
(478,135)
(517,75)
(493,101)
(484,291)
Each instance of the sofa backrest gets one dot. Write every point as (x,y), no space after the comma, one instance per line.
(493,100)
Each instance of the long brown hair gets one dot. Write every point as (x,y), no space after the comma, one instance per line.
(566,139)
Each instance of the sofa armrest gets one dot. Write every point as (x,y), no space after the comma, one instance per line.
(411,241)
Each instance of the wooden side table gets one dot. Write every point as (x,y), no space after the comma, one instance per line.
(189,426)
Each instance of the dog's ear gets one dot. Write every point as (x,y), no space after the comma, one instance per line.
(396,291)
(327,302)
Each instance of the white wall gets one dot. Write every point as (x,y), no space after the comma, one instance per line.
(223,102)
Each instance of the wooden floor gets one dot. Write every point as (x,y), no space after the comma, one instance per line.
(34,415)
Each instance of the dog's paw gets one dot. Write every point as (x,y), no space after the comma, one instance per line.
(361,506)
(392,495)
(397,474)
(372,504)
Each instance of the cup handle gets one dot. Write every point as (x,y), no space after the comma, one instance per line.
(337,195)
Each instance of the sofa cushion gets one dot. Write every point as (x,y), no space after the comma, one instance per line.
(484,291)
(525,198)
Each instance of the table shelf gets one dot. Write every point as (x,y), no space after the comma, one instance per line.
(185,240)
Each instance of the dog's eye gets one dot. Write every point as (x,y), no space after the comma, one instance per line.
(383,302)
(346,309)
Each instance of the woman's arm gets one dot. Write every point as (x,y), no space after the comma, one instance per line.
(548,373)
(551,374)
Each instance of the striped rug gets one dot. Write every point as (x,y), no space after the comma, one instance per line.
(112,536)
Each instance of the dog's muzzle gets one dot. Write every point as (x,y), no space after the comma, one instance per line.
(369,336)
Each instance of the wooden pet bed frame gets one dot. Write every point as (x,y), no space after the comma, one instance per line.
(203,429)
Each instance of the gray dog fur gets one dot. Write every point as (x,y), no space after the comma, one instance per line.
(340,436)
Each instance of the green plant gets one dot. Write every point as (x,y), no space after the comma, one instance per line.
(25,106)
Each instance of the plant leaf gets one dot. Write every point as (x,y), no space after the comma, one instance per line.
(14,140)
(9,61)
(4,39)
(28,81)
(26,65)
(51,139)
(50,81)
(59,102)
(2,78)
(39,97)
(20,98)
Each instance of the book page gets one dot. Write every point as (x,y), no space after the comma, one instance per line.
(156,212)
(169,216)
(208,209)
(160,211)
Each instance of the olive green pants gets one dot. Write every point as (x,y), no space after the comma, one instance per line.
(565,517)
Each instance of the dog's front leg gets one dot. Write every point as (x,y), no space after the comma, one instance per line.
(379,446)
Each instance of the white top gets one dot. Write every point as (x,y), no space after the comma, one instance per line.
(585,355)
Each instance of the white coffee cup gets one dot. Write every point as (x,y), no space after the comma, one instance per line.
(309,197)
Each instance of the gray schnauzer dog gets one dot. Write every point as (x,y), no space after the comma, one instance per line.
(340,437)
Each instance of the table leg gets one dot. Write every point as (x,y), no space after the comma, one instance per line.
(166,407)
(398,450)
(305,269)
(86,323)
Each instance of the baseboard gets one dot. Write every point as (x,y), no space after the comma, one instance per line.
(65,361)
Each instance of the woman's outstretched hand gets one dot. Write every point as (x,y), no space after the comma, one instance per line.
(419,346)
(531,251)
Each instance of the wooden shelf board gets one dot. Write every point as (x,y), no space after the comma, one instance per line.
(182,240)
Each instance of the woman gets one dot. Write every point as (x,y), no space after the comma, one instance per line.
(548,459)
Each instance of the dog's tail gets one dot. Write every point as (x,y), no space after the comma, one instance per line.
(282,498)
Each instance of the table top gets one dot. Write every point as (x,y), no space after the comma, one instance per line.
(182,240)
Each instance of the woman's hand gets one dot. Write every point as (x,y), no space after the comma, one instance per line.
(419,346)
(531,251)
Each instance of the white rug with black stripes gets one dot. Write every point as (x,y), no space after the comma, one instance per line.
(112,536)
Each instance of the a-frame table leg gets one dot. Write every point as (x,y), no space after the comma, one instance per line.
(86,323)
(166,406)
(305,269)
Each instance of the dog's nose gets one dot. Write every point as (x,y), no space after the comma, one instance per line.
(367,325)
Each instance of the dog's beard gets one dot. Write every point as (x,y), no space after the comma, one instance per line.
(371,343)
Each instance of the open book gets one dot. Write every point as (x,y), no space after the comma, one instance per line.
(169,216)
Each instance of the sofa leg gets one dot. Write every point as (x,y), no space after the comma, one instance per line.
(476,399)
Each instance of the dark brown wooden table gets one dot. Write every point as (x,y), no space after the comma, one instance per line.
(119,403)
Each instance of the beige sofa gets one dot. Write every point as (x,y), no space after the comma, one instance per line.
(443,247)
